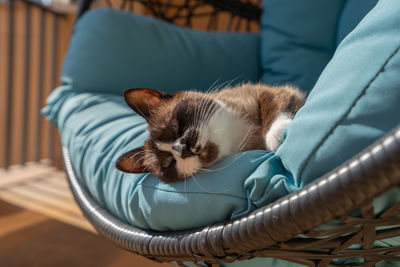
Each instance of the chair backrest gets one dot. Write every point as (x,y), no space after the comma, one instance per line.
(309,30)
(216,15)
(352,13)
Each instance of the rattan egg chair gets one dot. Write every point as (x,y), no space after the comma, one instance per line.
(288,228)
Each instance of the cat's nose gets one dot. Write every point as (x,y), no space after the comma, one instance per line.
(179,147)
(182,149)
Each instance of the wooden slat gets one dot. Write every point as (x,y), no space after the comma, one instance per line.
(58,179)
(45,197)
(43,189)
(20,174)
(52,212)
(60,191)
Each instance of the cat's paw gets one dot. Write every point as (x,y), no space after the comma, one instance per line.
(274,136)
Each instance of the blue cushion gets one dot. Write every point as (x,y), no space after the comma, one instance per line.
(112,50)
(298,38)
(352,13)
(355,102)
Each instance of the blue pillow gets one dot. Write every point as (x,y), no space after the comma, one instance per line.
(352,13)
(112,50)
(298,38)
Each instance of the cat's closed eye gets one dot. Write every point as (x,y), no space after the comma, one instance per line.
(174,125)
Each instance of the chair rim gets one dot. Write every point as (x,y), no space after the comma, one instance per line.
(365,176)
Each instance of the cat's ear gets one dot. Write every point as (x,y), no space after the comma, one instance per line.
(142,100)
(133,161)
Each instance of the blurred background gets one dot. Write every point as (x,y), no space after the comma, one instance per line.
(33,38)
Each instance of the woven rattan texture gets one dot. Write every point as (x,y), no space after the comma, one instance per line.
(221,15)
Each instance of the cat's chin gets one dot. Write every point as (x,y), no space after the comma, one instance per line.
(203,160)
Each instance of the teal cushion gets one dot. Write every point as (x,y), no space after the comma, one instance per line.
(351,14)
(298,38)
(112,50)
(355,101)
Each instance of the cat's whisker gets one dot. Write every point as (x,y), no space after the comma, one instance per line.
(245,138)
(199,110)
(234,159)
(242,144)
(217,131)
(148,119)
(212,85)
(203,108)
(216,111)
(233,80)
(150,162)
(216,88)
(237,156)
(156,123)
(211,110)
(226,84)
(143,157)
(145,154)
(200,186)
(205,170)
(187,200)
(137,153)
(208,111)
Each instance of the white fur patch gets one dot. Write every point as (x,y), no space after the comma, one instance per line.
(186,166)
(274,136)
(227,130)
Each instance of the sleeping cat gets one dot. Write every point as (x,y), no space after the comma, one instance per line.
(190,130)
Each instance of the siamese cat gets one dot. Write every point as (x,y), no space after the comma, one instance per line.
(190,130)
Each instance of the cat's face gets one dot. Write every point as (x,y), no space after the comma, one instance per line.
(182,129)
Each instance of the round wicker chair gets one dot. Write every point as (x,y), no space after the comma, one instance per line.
(286,229)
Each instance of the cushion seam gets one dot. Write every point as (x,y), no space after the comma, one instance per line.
(330,132)
(191,192)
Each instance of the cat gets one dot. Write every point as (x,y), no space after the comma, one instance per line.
(190,130)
